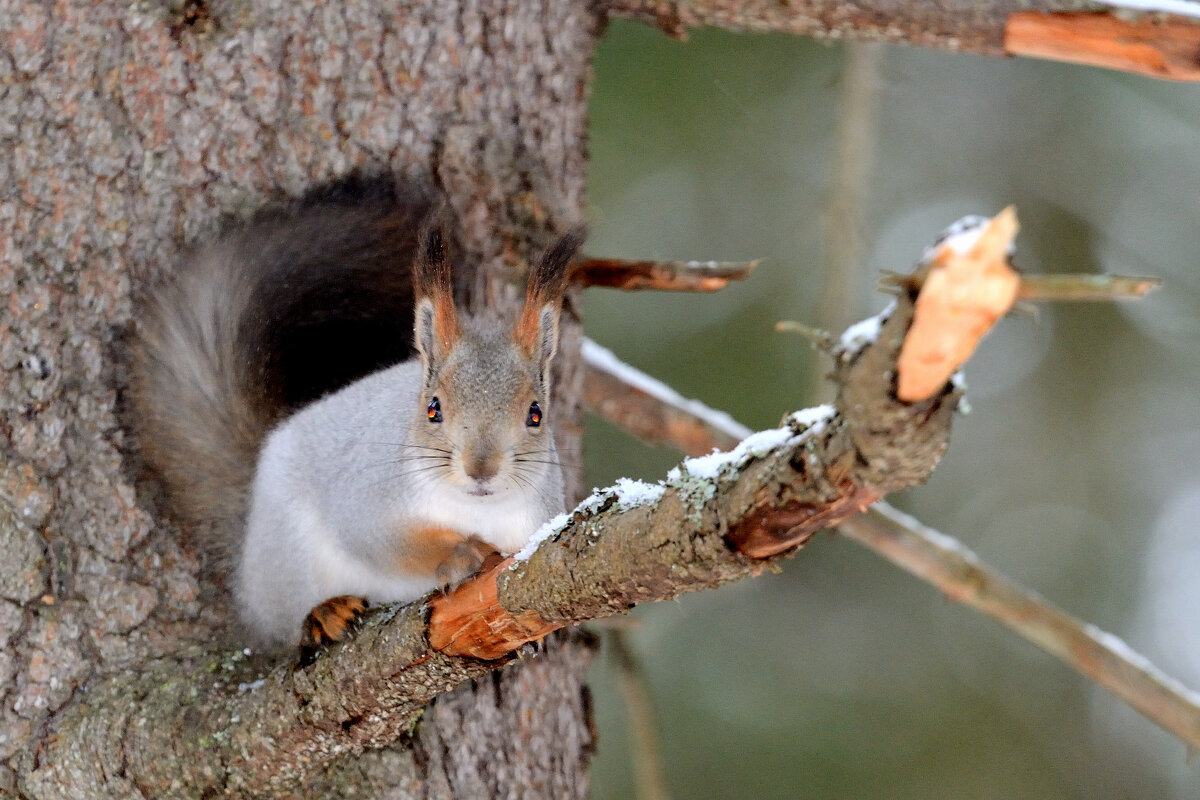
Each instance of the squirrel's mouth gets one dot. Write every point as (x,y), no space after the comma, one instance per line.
(481,489)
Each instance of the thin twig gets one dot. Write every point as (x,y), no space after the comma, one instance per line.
(942,562)
(649,778)
(819,337)
(946,564)
(673,276)
(1084,287)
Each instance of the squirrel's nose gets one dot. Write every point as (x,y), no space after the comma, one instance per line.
(482,466)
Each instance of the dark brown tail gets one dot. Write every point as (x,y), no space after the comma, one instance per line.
(298,303)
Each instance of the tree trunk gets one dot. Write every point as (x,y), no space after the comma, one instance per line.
(131,128)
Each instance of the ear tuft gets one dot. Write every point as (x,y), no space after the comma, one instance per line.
(543,292)
(431,277)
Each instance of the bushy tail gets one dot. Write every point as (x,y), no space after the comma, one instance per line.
(296,304)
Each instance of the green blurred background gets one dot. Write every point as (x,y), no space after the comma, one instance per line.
(1077,471)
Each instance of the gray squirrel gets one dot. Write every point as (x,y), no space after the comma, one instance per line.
(317,488)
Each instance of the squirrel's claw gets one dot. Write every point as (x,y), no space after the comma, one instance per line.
(468,557)
(328,623)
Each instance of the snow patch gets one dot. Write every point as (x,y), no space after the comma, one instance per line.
(1187,8)
(631,493)
(960,236)
(1116,645)
(863,333)
(756,445)
(626,492)
(709,467)
(813,419)
(548,529)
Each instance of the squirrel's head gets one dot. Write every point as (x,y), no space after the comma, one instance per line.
(485,398)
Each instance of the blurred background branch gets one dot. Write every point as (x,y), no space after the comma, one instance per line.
(944,563)
(672,276)
(624,394)
(646,750)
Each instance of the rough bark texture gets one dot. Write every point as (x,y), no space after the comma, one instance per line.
(130,129)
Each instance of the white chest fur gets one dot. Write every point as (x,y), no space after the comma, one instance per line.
(506,520)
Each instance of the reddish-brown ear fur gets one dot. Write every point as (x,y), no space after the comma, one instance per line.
(432,278)
(546,283)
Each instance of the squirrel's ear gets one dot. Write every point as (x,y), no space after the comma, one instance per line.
(435,325)
(547,339)
(425,338)
(537,329)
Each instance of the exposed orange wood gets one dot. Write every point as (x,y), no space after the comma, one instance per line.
(1160,46)
(772,533)
(470,621)
(969,285)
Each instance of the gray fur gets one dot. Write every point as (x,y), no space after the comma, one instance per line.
(341,482)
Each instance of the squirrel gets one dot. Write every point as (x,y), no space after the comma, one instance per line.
(314,487)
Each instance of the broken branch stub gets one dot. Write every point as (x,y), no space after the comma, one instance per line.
(967,284)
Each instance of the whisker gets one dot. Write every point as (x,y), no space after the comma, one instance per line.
(419,477)
(391,462)
(413,446)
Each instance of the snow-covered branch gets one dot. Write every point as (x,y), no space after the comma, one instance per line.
(625,396)
(257,729)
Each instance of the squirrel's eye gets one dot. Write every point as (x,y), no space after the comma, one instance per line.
(434,410)
(535,415)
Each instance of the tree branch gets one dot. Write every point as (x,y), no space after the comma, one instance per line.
(250,730)
(644,747)
(1064,30)
(650,410)
(1051,288)
(944,563)
(933,557)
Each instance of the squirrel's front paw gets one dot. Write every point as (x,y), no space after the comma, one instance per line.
(469,556)
(328,623)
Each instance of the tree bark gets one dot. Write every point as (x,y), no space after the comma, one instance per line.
(131,128)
